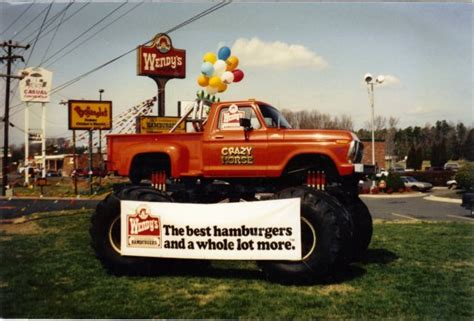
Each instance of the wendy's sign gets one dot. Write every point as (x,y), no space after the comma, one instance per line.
(160,59)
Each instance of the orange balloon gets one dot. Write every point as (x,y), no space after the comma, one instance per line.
(232,63)
(215,82)
(222,88)
(203,81)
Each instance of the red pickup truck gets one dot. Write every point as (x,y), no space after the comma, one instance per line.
(240,150)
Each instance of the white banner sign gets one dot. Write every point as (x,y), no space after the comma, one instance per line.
(265,230)
(35,85)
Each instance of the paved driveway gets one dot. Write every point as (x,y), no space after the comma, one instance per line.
(416,208)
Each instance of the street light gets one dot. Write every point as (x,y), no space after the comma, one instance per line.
(370,87)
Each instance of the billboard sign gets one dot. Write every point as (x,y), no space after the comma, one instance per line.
(264,230)
(90,114)
(158,125)
(35,86)
(160,59)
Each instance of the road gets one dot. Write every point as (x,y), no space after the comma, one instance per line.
(405,208)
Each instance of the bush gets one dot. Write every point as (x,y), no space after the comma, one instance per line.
(394,182)
(465,177)
(437,178)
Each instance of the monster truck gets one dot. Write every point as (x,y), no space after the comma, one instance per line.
(241,150)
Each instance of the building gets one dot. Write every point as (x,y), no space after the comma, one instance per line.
(380,151)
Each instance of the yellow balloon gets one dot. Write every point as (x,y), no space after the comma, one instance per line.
(222,88)
(203,81)
(215,82)
(232,63)
(210,57)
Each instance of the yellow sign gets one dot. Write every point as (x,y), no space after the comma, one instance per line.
(90,114)
(157,125)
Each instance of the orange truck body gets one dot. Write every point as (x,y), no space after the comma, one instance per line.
(232,153)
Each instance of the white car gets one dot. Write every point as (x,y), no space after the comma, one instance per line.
(415,185)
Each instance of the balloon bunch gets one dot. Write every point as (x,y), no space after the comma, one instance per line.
(219,71)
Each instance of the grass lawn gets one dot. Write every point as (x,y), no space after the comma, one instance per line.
(419,271)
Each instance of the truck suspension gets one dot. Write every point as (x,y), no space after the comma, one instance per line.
(316,180)
(158,180)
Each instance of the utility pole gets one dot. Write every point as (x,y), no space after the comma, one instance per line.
(9,58)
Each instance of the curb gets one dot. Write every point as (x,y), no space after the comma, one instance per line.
(48,198)
(392,196)
(443,199)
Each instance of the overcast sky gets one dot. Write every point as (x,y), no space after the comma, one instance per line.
(299,56)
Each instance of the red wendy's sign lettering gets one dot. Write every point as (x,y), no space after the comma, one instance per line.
(143,229)
(161,60)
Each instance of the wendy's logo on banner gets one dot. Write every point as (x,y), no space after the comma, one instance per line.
(161,60)
(143,229)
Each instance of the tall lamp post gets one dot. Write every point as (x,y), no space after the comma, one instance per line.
(370,87)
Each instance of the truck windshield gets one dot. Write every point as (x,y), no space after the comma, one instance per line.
(273,118)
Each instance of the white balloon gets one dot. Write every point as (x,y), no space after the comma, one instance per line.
(227,77)
(211,90)
(219,68)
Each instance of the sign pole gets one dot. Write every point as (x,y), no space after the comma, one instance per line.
(74,160)
(90,161)
(161,83)
(43,138)
(26,166)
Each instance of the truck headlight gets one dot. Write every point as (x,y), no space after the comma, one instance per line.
(356,150)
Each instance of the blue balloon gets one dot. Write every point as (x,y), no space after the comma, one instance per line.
(207,69)
(224,53)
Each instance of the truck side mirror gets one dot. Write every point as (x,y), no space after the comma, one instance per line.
(245,123)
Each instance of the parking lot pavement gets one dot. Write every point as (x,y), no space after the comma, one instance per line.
(404,207)
(416,209)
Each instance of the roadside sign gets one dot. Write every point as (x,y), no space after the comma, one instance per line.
(90,114)
(157,125)
(35,86)
(160,59)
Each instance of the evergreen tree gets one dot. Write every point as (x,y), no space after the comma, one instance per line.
(419,158)
(468,146)
(411,158)
(435,155)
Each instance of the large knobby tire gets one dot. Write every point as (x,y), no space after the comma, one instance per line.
(105,232)
(325,228)
(363,229)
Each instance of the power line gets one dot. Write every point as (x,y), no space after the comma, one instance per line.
(192,19)
(83,33)
(33,47)
(186,22)
(39,32)
(46,24)
(54,35)
(43,34)
(66,19)
(27,25)
(94,34)
(17,18)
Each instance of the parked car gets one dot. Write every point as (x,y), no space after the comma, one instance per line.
(397,169)
(452,184)
(53,173)
(451,166)
(84,172)
(415,184)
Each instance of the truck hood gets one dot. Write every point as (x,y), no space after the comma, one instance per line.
(320,135)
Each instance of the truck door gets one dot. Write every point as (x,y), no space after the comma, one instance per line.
(228,151)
